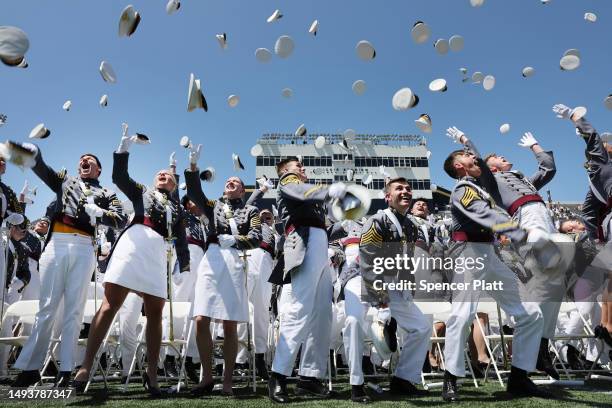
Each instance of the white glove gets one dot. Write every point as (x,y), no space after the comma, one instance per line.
(455,134)
(126,141)
(194,154)
(178,278)
(94,212)
(226,240)
(25,188)
(172,160)
(265,184)
(105,248)
(384,314)
(337,190)
(528,140)
(562,111)
(14,219)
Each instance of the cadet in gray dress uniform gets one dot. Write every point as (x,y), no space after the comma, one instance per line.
(385,235)
(476,219)
(307,316)
(67,262)
(220,292)
(519,195)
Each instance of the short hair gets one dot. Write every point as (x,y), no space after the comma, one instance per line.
(396,180)
(281,164)
(488,156)
(449,163)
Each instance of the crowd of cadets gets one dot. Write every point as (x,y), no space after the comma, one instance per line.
(236,262)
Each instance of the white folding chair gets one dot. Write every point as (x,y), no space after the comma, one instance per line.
(22,311)
(180,310)
(491,309)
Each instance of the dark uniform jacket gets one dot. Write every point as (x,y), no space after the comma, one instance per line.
(17,261)
(71,197)
(8,202)
(246,216)
(300,206)
(150,209)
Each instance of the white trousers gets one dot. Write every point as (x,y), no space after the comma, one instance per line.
(416,335)
(129,313)
(305,317)
(573,324)
(185,292)
(66,267)
(32,291)
(260,265)
(353,333)
(528,317)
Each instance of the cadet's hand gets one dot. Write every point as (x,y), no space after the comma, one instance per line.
(194,154)
(528,140)
(126,141)
(562,111)
(172,160)
(226,240)
(105,248)
(94,212)
(265,184)
(337,190)
(456,135)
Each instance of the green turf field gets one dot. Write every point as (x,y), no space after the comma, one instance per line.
(598,395)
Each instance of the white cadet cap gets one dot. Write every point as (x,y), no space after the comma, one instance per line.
(488,82)
(40,132)
(183,186)
(263,55)
(319,142)
(195,97)
(359,87)
(456,43)
(420,32)
(590,17)
(67,105)
(185,142)
(505,128)
(441,46)
(350,173)
(477,77)
(107,72)
(477,3)
(578,112)
(287,92)
(424,123)
(608,101)
(128,22)
(208,174)
(404,99)
(104,100)
(275,16)
(314,27)
(284,46)
(172,6)
(350,135)
(233,100)
(367,180)
(528,71)
(14,44)
(365,50)
(572,51)
(23,64)
(301,131)
(438,85)
(237,163)
(222,39)
(141,138)
(569,62)
(256,150)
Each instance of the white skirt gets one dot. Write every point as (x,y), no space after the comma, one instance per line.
(138,262)
(220,291)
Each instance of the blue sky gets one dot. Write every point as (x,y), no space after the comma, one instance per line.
(69,39)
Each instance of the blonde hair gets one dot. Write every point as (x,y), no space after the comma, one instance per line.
(169,174)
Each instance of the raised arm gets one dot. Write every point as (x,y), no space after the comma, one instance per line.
(546,161)
(122,179)
(48,176)
(290,186)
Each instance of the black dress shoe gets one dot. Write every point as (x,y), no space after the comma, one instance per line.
(311,386)
(603,334)
(260,367)
(358,394)
(544,362)
(170,367)
(191,370)
(202,389)
(399,386)
(449,388)
(520,385)
(574,359)
(26,378)
(62,380)
(277,388)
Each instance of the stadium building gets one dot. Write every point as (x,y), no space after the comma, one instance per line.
(351,159)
